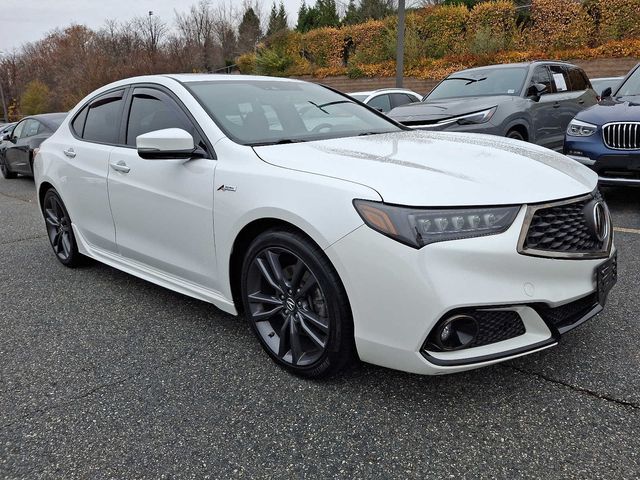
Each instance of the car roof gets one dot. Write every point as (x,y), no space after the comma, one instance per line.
(511,65)
(607,78)
(381,90)
(51,120)
(217,77)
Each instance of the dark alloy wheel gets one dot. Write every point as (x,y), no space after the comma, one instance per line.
(4,169)
(296,304)
(59,229)
(515,134)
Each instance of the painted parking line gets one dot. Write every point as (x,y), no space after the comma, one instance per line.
(627,230)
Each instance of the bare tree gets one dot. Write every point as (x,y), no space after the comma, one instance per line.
(152,30)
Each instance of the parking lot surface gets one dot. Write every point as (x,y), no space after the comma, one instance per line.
(103,375)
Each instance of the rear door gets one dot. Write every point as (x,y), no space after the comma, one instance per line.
(163,209)
(85,150)
(583,95)
(566,103)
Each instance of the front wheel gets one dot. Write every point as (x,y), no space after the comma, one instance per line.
(515,134)
(296,304)
(59,230)
(4,169)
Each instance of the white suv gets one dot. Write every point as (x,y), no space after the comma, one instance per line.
(427,252)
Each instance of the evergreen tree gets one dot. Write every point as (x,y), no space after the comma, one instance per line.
(248,31)
(277,19)
(352,15)
(283,20)
(327,13)
(375,9)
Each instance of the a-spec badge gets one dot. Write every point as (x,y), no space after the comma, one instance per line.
(227,188)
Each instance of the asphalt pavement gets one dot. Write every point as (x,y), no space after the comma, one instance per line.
(103,375)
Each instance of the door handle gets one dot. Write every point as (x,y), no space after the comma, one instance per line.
(69,152)
(581,101)
(556,105)
(121,167)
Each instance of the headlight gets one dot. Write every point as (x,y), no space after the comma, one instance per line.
(577,128)
(472,118)
(418,227)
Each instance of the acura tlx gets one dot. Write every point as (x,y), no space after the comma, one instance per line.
(338,233)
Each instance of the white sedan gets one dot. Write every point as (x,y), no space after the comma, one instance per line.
(334,230)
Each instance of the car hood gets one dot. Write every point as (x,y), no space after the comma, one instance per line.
(434,110)
(439,169)
(612,110)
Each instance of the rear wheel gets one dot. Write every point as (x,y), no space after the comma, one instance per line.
(296,304)
(59,230)
(4,169)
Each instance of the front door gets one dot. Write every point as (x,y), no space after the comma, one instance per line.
(163,209)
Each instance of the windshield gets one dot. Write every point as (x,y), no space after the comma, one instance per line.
(482,82)
(630,88)
(263,112)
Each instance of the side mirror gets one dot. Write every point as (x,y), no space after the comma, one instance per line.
(5,138)
(168,144)
(606,92)
(536,90)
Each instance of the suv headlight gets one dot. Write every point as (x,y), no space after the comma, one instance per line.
(472,118)
(418,227)
(577,128)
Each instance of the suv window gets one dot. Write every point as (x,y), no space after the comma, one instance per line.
(541,75)
(381,102)
(103,118)
(560,78)
(578,79)
(153,110)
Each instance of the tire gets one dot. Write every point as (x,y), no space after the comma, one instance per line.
(296,305)
(59,230)
(515,134)
(4,169)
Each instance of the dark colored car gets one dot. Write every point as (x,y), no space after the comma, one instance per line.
(606,137)
(532,101)
(16,151)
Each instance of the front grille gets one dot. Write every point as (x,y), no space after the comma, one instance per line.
(622,135)
(496,326)
(562,229)
(566,315)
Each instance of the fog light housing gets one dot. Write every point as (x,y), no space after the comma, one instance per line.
(455,333)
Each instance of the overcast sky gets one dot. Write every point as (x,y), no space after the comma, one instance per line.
(24,21)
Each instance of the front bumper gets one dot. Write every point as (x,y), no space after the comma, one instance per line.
(398,294)
(614,167)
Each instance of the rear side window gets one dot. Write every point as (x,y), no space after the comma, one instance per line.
(30,129)
(578,79)
(78,123)
(398,99)
(560,78)
(151,111)
(103,119)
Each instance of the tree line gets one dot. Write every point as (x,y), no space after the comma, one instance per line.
(54,73)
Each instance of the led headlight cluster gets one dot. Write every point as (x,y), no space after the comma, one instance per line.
(577,128)
(419,227)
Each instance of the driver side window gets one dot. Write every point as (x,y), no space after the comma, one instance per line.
(151,111)
(17,132)
(541,75)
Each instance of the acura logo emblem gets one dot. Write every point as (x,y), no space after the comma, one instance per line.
(597,216)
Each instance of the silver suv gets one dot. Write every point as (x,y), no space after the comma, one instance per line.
(532,101)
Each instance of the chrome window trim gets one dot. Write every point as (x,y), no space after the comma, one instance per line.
(533,252)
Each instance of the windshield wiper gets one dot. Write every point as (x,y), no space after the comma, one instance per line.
(281,141)
(468,80)
(321,107)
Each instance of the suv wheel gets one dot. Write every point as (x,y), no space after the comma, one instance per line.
(515,134)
